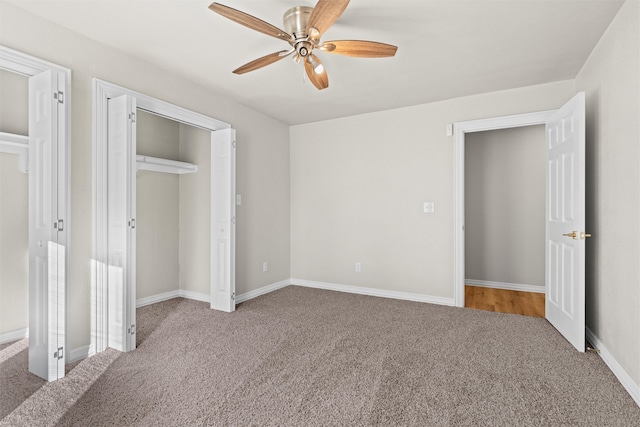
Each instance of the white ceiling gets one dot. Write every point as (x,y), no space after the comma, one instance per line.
(446,48)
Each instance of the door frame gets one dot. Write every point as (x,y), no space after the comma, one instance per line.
(460,129)
(102,92)
(29,66)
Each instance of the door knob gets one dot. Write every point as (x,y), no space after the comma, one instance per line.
(575,235)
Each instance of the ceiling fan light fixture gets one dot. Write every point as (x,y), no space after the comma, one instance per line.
(318,68)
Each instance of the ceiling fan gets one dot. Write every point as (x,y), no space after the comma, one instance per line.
(303,27)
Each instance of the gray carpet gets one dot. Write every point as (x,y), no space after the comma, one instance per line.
(308,357)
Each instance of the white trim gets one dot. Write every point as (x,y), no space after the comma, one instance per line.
(507,286)
(16,144)
(104,90)
(459,131)
(27,65)
(178,293)
(198,296)
(373,292)
(78,354)
(141,302)
(262,291)
(14,335)
(625,379)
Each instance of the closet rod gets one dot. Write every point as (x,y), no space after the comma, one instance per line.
(156,164)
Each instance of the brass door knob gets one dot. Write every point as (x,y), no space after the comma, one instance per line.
(577,235)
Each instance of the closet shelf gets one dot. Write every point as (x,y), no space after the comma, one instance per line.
(155,164)
(16,144)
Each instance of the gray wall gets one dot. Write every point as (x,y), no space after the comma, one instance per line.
(611,81)
(505,175)
(14,208)
(358,185)
(262,224)
(195,211)
(157,208)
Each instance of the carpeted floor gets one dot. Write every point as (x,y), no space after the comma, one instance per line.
(306,357)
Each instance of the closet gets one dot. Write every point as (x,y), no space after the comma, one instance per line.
(185,165)
(14,206)
(173,187)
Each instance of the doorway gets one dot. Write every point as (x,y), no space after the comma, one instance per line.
(564,211)
(45,158)
(505,172)
(116,162)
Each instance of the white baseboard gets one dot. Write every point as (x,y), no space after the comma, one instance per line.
(180,293)
(198,296)
(78,354)
(262,291)
(507,286)
(374,292)
(14,335)
(625,379)
(157,298)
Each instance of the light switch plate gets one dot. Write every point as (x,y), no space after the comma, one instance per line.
(429,207)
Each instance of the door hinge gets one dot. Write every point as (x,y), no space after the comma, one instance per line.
(132,117)
(132,223)
(59,96)
(233,296)
(233,143)
(59,225)
(233,220)
(59,354)
(132,330)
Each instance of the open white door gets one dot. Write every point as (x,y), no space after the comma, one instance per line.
(47,234)
(121,140)
(223,218)
(565,263)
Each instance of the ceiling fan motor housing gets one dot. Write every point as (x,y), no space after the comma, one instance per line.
(296,21)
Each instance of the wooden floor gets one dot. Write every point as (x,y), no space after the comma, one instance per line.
(504,301)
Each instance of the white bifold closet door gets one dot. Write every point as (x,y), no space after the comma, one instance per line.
(47,229)
(223,219)
(121,272)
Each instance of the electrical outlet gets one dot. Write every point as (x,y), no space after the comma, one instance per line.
(358,267)
(265,267)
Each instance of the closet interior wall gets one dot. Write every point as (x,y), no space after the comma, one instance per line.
(195,212)
(14,208)
(173,211)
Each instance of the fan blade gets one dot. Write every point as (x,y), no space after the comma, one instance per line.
(319,80)
(250,21)
(324,15)
(359,48)
(262,62)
